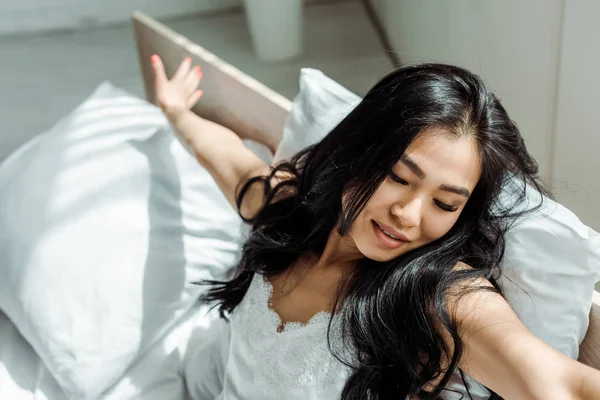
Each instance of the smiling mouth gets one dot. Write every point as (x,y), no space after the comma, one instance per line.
(387,238)
(389,234)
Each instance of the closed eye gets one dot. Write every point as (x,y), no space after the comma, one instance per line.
(397,179)
(442,206)
(445,206)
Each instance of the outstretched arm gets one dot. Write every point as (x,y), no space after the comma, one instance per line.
(501,353)
(216,148)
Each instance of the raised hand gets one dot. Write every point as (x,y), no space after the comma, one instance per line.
(180,93)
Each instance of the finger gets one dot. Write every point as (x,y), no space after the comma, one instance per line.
(194,98)
(193,79)
(159,70)
(183,69)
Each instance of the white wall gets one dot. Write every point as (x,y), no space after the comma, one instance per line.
(39,15)
(512,44)
(26,16)
(577,157)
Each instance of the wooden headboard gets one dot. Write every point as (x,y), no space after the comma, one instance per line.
(589,351)
(256,112)
(231,97)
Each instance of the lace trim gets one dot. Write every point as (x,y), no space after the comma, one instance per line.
(299,357)
(322,317)
(298,365)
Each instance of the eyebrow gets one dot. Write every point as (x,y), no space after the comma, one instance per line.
(413,166)
(419,173)
(456,189)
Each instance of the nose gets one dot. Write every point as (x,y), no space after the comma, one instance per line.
(409,215)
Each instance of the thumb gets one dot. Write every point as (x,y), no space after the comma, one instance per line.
(158,69)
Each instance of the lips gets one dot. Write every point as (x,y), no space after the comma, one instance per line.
(392,232)
(388,236)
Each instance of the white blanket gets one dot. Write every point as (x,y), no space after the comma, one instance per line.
(156,376)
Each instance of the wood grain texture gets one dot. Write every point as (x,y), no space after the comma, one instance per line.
(589,351)
(231,97)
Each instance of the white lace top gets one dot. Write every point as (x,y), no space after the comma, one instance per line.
(248,359)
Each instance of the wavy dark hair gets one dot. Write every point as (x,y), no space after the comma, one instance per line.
(392,311)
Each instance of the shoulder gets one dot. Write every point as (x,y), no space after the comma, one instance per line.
(257,185)
(474,304)
(471,282)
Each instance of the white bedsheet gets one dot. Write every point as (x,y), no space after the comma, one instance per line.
(156,376)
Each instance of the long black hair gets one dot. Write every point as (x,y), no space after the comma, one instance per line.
(392,311)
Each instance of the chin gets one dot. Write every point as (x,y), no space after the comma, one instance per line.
(381,258)
(379,255)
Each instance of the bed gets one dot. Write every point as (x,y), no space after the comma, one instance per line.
(254,112)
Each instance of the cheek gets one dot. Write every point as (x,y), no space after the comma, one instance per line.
(433,228)
(376,208)
(386,195)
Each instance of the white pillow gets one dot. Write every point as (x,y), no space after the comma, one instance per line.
(552,258)
(552,262)
(320,106)
(105,221)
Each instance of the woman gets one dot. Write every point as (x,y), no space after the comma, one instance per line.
(371,268)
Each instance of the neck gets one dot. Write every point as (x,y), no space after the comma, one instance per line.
(339,253)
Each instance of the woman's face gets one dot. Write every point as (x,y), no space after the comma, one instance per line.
(422,197)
